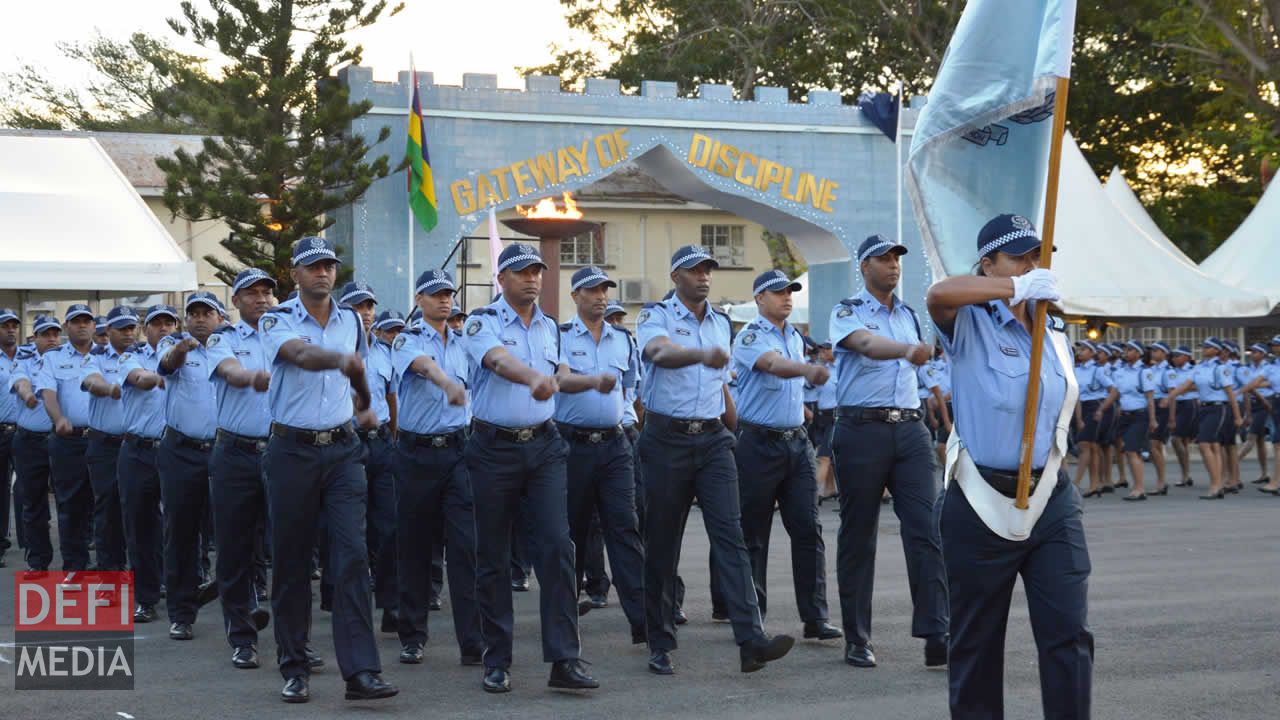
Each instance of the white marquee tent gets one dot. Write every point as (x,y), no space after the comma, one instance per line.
(71,225)
(1118,190)
(1249,258)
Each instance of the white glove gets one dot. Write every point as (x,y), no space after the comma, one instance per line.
(1039,284)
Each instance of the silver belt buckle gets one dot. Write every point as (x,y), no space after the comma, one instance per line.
(895,415)
(261,445)
(524,435)
(788,434)
(324,437)
(438,441)
(695,427)
(595,437)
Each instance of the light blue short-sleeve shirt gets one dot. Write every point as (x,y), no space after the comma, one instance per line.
(584,356)
(144,410)
(243,411)
(105,414)
(27,365)
(694,392)
(1133,382)
(423,407)
(190,405)
(764,398)
(61,372)
(496,400)
(311,399)
(865,382)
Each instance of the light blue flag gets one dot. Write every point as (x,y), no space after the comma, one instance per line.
(981,144)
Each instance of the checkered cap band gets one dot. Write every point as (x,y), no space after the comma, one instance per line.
(45,322)
(7,314)
(251,278)
(323,251)
(875,249)
(518,258)
(355,294)
(697,252)
(771,283)
(1005,239)
(589,278)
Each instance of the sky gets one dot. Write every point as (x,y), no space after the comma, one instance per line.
(446,37)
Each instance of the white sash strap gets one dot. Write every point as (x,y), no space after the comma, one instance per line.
(997,511)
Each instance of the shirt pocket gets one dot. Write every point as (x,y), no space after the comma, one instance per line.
(1009,375)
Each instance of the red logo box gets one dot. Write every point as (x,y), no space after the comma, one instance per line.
(73,631)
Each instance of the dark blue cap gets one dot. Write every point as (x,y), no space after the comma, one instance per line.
(388,319)
(204,298)
(156,311)
(7,314)
(877,245)
(100,325)
(1103,348)
(1010,234)
(1182,350)
(248,277)
(1275,340)
(614,308)
(1134,345)
(76,311)
(313,249)
(431,282)
(774,281)
(354,293)
(1159,345)
(122,316)
(1258,347)
(45,322)
(454,312)
(1212,342)
(1087,344)
(691,256)
(518,257)
(589,277)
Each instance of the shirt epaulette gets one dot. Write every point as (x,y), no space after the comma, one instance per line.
(1056,323)
(24,353)
(278,309)
(650,305)
(851,301)
(484,311)
(98,350)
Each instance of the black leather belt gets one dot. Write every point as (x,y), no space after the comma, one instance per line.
(787,434)
(450,439)
(8,427)
(106,438)
(187,441)
(382,431)
(242,442)
(315,438)
(516,435)
(39,435)
(1216,403)
(828,413)
(77,432)
(686,427)
(138,440)
(1006,483)
(879,414)
(593,436)
(1127,413)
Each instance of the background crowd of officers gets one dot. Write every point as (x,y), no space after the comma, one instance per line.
(380,454)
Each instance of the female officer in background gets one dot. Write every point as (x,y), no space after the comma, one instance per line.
(985,323)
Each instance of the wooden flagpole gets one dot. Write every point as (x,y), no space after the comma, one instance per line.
(1042,308)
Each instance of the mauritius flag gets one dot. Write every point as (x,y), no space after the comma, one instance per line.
(422,189)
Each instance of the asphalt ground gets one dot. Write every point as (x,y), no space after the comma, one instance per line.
(1183,605)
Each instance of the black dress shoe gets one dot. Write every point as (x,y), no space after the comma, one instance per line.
(1162,491)
(180,631)
(822,631)
(660,663)
(1135,498)
(520,586)
(1124,484)
(935,652)
(260,592)
(144,614)
(390,623)
(755,655)
(260,617)
(1269,491)
(638,637)
(313,658)
(369,685)
(1262,480)
(1186,483)
(245,657)
(435,605)
(297,690)
(497,680)
(411,654)
(1220,495)
(1092,493)
(599,601)
(1233,489)
(206,593)
(1105,489)
(470,660)
(570,675)
(584,607)
(859,655)
(681,618)
(719,616)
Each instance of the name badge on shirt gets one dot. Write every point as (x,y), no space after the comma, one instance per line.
(872,326)
(508,342)
(684,331)
(578,353)
(1011,352)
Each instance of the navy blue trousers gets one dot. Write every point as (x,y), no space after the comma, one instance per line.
(678,467)
(108,520)
(304,483)
(981,570)
(139,481)
(184,489)
(870,456)
(74,495)
(31,470)
(238,494)
(433,500)
(6,472)
(602,489)
(380,526)
(502,474)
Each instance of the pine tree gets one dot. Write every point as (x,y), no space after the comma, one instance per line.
(278,160)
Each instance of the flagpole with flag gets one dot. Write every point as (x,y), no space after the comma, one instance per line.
(420,182)
(982,147)
(897,166)
(495,247)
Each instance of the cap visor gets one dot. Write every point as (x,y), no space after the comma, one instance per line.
(598,283)
(522,264)
(122,322)
(1022,246)
(255,281)
(312,260)
(695,261)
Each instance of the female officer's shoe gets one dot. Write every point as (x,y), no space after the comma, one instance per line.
(756,654)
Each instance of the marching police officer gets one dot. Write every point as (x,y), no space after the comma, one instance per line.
(880,441)
(986,323)
(1214,381)
(191,420)
(143,396)
(313,463)
(514,451)
(600,475)
(240,373)
(433,490)
(686,450)
(776,463)
(100,331)
(824,423)
(101,376)
(457,319)
(1133,393)
(10,328)
(31,445)
(1181,410)
(68,406)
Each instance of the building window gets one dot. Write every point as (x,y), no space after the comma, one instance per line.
(726,244)
(584,249)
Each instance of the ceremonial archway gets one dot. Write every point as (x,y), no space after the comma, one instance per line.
(816,171)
